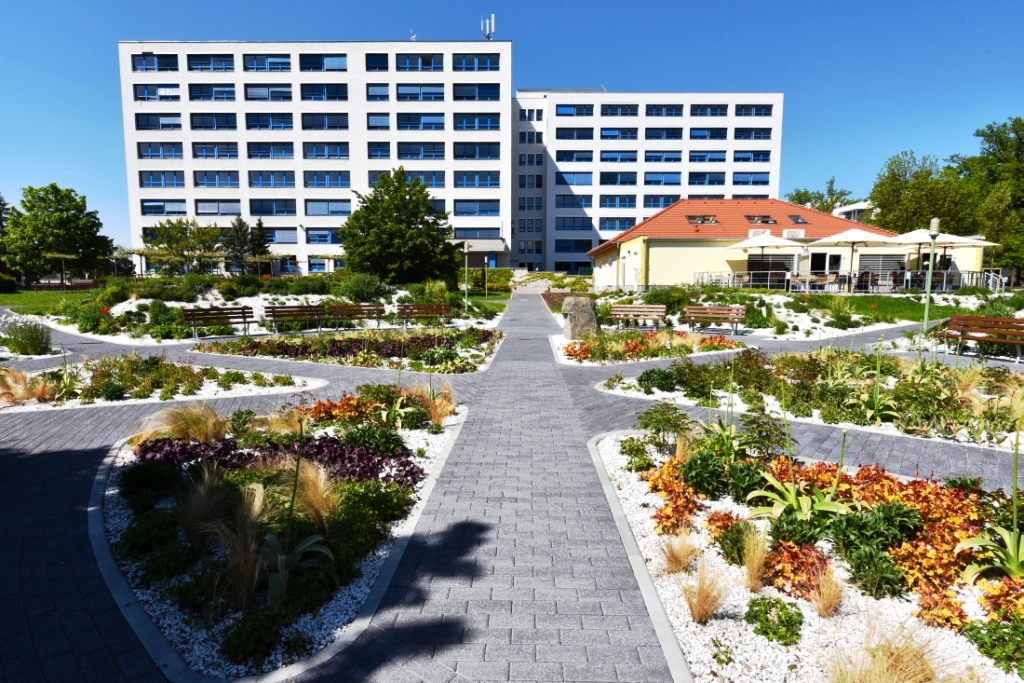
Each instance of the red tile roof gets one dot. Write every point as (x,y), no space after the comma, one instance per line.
(731,222)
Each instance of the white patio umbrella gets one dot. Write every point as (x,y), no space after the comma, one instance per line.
(854,237)
(944,240)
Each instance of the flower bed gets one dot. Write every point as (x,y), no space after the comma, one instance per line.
(815,590)
(253,542)
(443,351)
(634,345)
(131,377)
(973,404)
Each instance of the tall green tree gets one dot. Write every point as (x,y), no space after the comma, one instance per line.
(183,243)
(259,249)
(396,235)
(238,244)
(3,227)
(826,201)
(52,219)
(909,192)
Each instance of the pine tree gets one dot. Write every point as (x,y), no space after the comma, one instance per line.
(237,244)
(258,247)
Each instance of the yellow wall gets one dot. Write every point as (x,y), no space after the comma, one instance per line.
(669,262)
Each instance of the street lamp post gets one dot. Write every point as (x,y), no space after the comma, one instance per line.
(933,233)
(465,251)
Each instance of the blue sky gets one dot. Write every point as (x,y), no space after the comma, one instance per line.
(862,80)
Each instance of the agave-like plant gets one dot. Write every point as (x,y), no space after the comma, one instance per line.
(281,564)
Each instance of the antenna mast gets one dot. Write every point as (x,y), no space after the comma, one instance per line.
(487,27)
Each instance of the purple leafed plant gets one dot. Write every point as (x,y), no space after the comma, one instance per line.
(343,461)
(180,453)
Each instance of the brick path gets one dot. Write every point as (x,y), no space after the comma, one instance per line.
(516,571)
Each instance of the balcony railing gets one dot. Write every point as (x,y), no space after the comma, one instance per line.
(847,281)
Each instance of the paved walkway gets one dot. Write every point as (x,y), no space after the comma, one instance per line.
(515,572)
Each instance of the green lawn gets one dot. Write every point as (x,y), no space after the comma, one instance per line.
(901,307)
(39,302)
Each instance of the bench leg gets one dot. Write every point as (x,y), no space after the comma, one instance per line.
(195,333)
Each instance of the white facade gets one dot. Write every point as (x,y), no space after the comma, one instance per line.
(857,211)
(267,162)
(570,145)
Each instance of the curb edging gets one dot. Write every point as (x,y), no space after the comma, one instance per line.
(674,657)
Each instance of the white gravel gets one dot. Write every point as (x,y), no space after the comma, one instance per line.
(212,297)
(198,645)
(209,390)
(755,659)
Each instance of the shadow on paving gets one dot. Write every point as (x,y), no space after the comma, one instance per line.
(58,620)
(404,633)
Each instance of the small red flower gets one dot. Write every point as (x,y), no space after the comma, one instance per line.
(874,306)
(104,310)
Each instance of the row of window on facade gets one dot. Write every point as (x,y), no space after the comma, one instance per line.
(659,178)
(463,179)
(288,207)
(317,150)
(333,235)
(653,110)
(663,133)
(561,246)
(285,121)
(317,92)
(650,156)
(404,61)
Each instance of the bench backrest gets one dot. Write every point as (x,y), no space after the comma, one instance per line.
(219,316)
(725,312)
(354,311)
(972,324)
(424,310)
(638,309)
(294,312)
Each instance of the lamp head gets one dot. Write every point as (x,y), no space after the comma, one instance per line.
(933,229)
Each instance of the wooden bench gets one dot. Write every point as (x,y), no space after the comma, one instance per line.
(295,314)
(414,312)
(339,312)
(206,317)
(1007,331)
(699,315)
(638,313)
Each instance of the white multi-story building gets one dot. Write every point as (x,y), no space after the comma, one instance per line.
(286,132)
(590,164)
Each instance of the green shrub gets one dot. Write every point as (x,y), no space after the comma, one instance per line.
(786,527)
(635,450)
(705,474)
(89,317)
(283,380)
(417,290)
(730,542)
(1002,641)
(674,299)
(781,327)
(170,560)
(309,285)
(112,390)
(775,619)
(873,571)
(143,484)
(363,287)
(147,532)
(8,285)
(241,421)
(756,319)
(251,638)
(744,478)
(380,440)
(25,337)
(656,378)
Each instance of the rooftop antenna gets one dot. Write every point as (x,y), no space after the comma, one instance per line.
(487,27)
(412,35)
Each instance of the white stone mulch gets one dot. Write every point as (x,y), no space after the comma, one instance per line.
(209,390)
(755,659)
(258,303)
(199,646)
(772,406)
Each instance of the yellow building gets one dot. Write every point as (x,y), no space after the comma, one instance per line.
(688,243)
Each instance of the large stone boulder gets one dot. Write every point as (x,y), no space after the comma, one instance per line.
(580,316)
